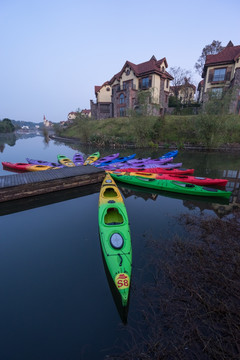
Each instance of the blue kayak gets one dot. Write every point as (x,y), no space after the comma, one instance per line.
(169,154)
(119,159)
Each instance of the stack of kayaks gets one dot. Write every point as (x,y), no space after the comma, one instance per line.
(171,185)
(160,170)
(115,237)
(202,181)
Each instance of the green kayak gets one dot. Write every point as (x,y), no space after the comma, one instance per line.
(171,185)
(62,159)
(92,158)
(115,237)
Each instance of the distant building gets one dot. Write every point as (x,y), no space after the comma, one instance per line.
(200,91)
(185,92)
(46,122)
(115,97)
(72,115)
(86,113)
(221,73)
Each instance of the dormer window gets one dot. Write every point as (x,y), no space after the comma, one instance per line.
(127,71)
(163,68)
(108,88)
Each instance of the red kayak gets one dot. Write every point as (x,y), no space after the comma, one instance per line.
(16,166)
(160,171)
(193,179)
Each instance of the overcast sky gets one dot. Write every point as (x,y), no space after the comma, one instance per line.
(53,52)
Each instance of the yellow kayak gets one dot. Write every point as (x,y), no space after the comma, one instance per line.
(92,158)
(41,167)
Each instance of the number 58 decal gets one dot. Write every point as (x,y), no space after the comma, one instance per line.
(122,281)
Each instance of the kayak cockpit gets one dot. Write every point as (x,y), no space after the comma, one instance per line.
(113,217)
(110,193)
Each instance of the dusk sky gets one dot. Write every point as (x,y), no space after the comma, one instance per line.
(53,52)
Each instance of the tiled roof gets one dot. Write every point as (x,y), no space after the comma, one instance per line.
(97,88)
(151,66)
(148,67)
(227,55)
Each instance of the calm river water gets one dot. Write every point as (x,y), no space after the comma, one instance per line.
(55,300)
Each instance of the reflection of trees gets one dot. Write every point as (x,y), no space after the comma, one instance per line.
(46,136)
(9,139)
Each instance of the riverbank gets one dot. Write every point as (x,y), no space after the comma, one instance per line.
(195,132)
(232,147)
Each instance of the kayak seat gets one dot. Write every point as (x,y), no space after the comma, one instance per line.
(113,217)
(110,192)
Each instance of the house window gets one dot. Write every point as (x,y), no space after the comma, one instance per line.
(121,99)
(217,93)
(145,83)
(219,74)
(167,83)
(105,108)
(122,111)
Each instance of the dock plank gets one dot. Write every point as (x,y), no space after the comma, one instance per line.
(40,182)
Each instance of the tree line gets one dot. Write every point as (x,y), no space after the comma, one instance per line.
(6,126)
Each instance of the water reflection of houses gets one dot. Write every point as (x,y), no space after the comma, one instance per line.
(145,195)
(220,206)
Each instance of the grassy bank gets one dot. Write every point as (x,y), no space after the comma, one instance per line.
(199,130)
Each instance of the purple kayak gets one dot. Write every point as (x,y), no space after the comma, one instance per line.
(159,162)
(106,158)
(142,166)
(78,159)
(164,166)
(43,162)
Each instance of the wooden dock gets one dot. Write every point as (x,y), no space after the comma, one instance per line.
(18,186)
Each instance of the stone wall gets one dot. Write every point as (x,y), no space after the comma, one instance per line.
(101,110)
(236,92)
(93,108)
